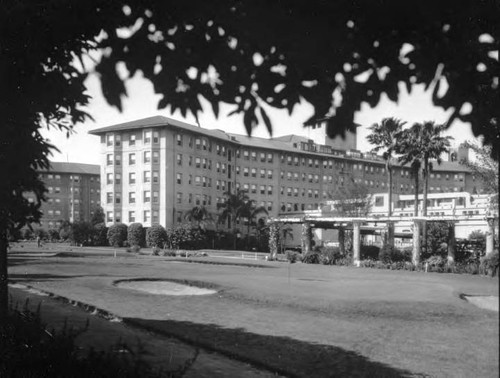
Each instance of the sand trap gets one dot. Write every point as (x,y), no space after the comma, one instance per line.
(489,302)
(164,288)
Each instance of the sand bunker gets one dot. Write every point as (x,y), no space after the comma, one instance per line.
(164,288)
(489,302)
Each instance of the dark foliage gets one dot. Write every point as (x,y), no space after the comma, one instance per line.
(156,236)
(100,235)
(369,252)
(117,235)
(81,233)
(136,235)
(98,216)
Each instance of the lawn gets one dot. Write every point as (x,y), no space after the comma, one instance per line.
(295,319)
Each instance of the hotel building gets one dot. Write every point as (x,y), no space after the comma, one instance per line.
(73,193)
(156,169)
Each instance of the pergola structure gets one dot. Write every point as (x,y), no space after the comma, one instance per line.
(341,223)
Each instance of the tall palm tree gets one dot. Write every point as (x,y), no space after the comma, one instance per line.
(200,216)
(250,211)
(421,145)
(409,143)
(384,136)
(232,209)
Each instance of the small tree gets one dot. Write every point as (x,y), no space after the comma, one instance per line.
(53,234)
(437,239)
(351,199)
(40,233)
(81,233)
(100,235)
(156,236)
(136,235)
(98,216)
(65,230)
(117,234)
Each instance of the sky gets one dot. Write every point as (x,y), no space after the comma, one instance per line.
(141,102)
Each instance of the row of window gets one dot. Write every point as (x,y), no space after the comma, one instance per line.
(146,197)
(147,158)
(456,177)
(146,216)
(288,206)
(147,177)
(203,163)
(147,137)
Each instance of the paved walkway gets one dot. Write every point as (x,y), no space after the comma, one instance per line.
(102,334)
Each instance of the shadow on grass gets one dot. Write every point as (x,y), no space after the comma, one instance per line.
(41,277)
(282,355)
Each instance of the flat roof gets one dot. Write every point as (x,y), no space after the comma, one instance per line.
(78,168)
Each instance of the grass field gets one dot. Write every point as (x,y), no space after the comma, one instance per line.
(295,319)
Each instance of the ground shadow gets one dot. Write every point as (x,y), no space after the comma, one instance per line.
(282,355)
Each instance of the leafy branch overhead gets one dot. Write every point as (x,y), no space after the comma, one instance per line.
(254,54)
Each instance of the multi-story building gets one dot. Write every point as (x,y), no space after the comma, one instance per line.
(156,169)
(73,193)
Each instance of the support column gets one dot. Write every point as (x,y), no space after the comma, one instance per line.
(417,227)
(356,243)
(452,243)
(390,234)
(306,237)
(490,235)
(274,232)
(341,231)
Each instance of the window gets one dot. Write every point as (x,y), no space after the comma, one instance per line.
(254,188)
(289,192)
(109,197)
(254,155)
(131,216)
(198,143)
(156,157)
(147,176)
(245,171)
(179,159)
(109,178)
(118,140)
(131,159)
(109,159)
(147,196)
(156,176)
(156,218)
(197,180)
(204,144)
(58,177)
(179,178)
(147,156)
(179,139)
(118,178)
(109,216)
(198,162)
(156,137)
(131,197)
(131,178)
(269,206)
(269,157)
(262,189)
(270,190)
(147,137)
(156,196)
(147,215)
(118,198)
(269,174)
(118,160)
(262,157)
(198,199)
(131,140)
(245,155)
(109,140)
(262,173)
(179,197)
(254,172)
(190,198)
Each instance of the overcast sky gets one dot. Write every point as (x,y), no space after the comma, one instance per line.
(142,102)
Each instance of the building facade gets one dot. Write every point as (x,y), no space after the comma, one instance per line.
(156,169)
(73,193)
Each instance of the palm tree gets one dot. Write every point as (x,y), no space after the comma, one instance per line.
(384,136)
(232,209)
(250,211)
(421,144)
(200,216)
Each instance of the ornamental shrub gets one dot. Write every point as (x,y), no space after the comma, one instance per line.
(311,257)
(100,235)
(136,235)
(291,256)
(117,235)
(156,236)
(369,252)
(489,264)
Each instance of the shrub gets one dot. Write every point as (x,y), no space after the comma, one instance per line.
(437,239)
(117,234)
(311,257)
(390,254)
(135,235)
(53,234)
(369,252)
(81,233)
(329,255)
(489,264)
(40,233)
(100,235)
(291,256)
(156,236)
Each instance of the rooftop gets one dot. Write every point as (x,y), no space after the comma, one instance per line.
(78,168)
